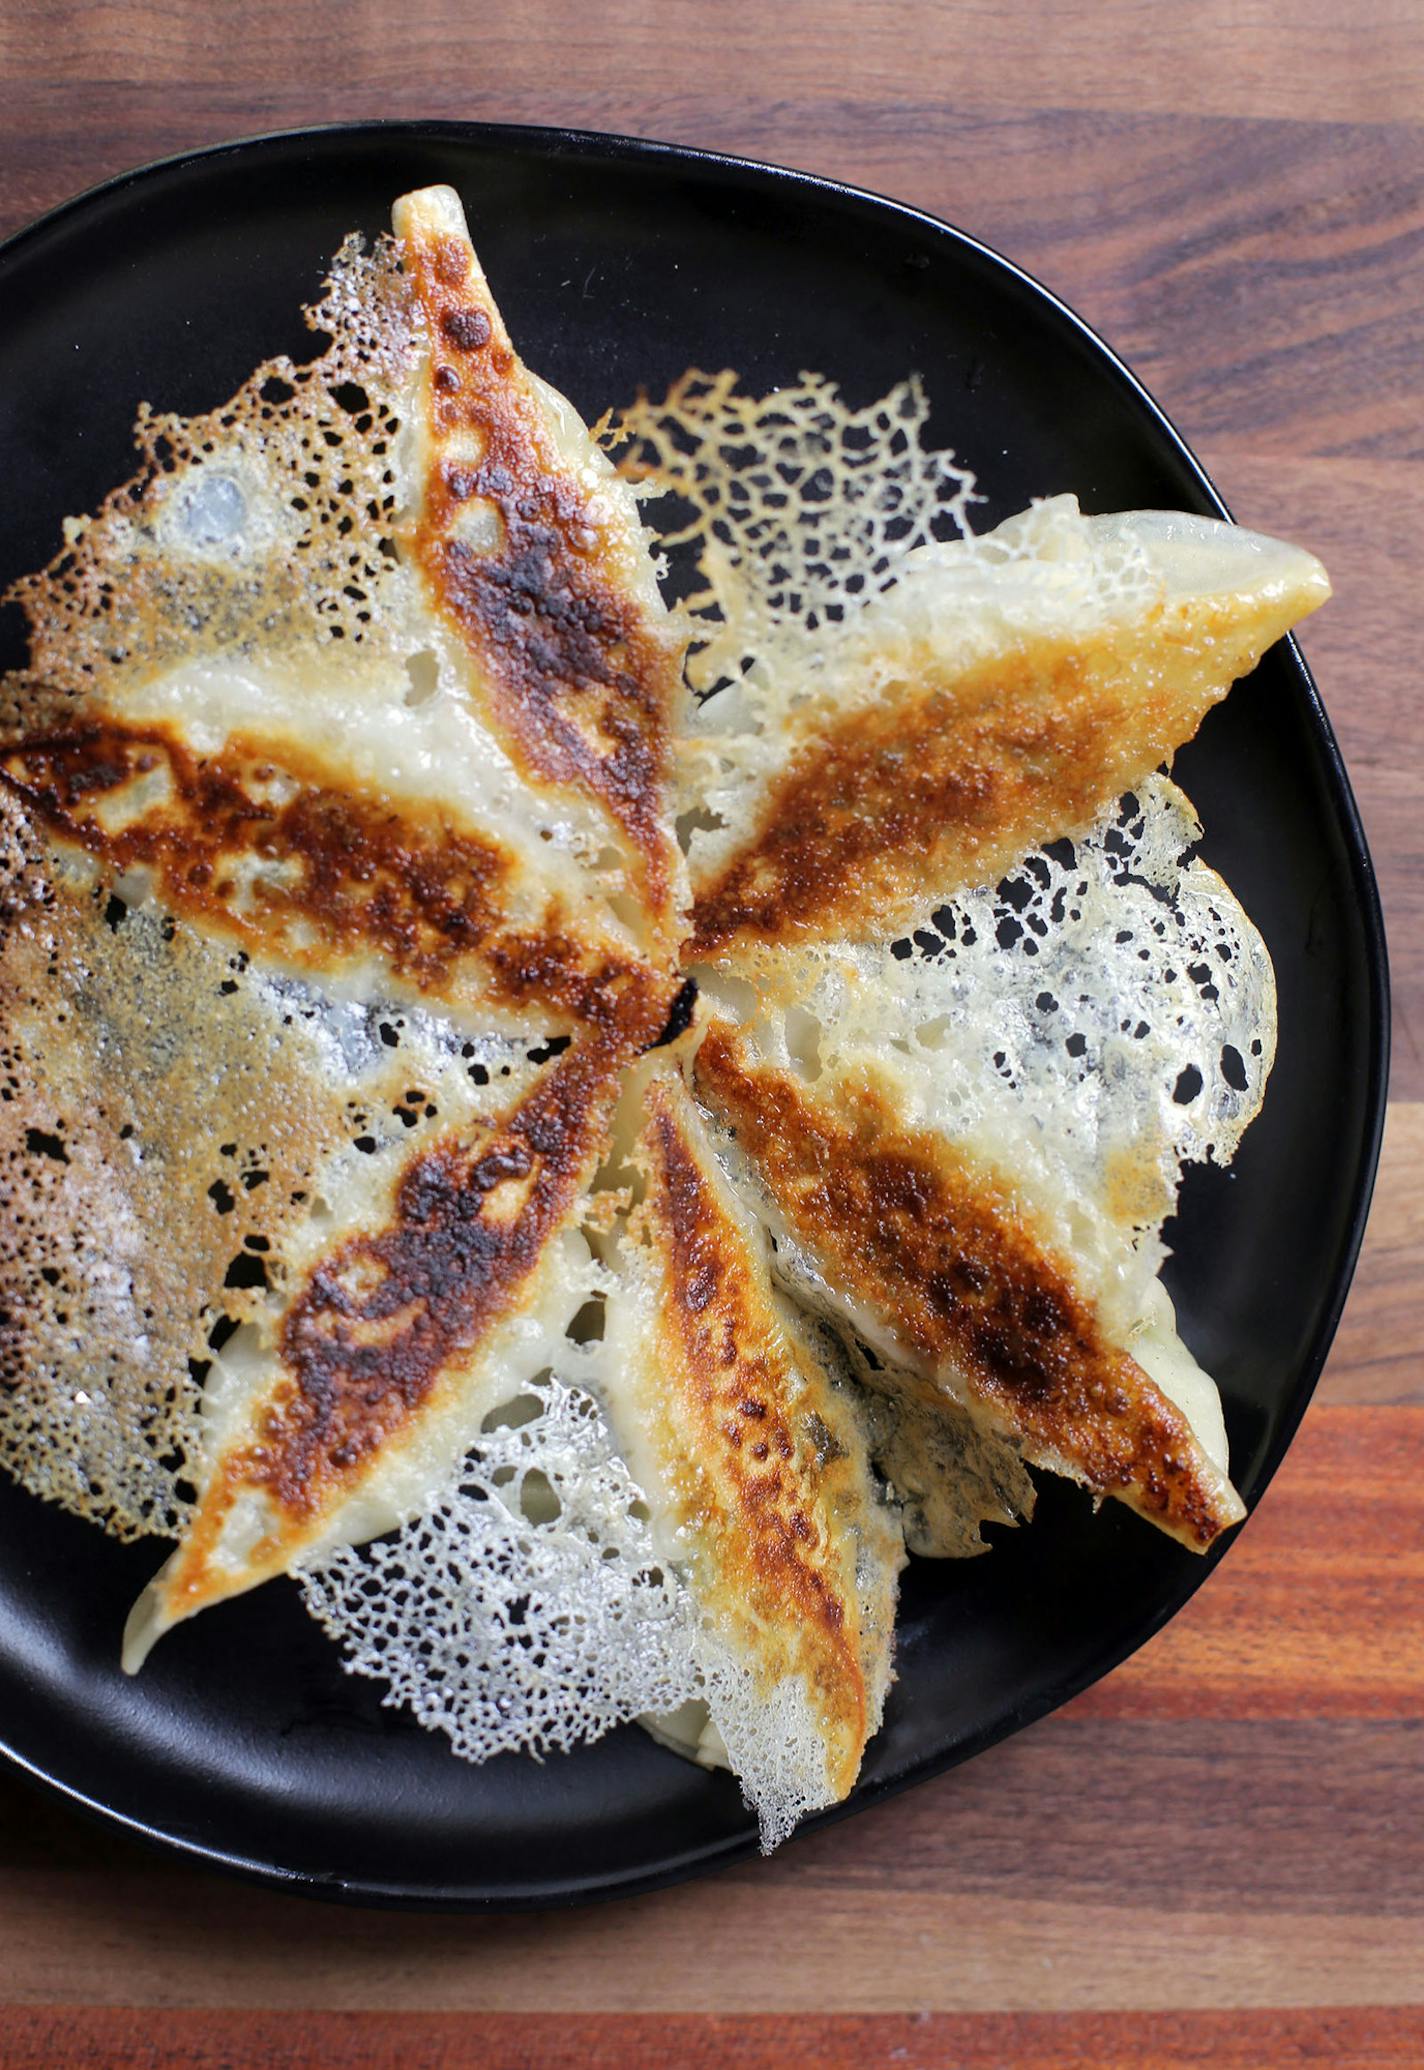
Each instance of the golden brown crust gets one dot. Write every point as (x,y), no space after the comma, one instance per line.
(164,1123)
(383,1317)
(270,844)
(580,679)
(951,782)
(340,869)
(757,1478)
(939,1249)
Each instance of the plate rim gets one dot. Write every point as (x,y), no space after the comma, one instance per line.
(554,139)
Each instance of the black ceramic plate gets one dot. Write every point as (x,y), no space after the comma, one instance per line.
(618,263)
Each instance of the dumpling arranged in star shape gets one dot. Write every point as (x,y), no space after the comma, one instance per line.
(581,1130)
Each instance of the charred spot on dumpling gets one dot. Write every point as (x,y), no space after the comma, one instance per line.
(466,329)
(756,1466)
(896,1214)
(268,845)
(579,659)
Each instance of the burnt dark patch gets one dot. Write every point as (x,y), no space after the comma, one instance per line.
(936,1246)
(580,681)
(382,1316)
(467,329)
(425,895)
(679,1019)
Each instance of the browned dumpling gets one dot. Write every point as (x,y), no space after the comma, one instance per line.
(366,819)
(936,1256)
(1003,693)
(367,673)
(754,1463)
(358,697)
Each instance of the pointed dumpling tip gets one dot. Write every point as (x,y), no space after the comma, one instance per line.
(429,212)
(1200,557)
(148,1620)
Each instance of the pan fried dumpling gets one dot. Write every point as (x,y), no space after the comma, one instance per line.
(967,1151)
(755,1465)
(353,708)
(181,1126)
(931,1255)
(883,700)
(410,1315)
(533,548)
(1001,693)
(367,671)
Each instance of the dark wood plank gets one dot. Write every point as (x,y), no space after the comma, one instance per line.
(91,1940)
(1092,1862)
(1318,1610)
(1365,518)
(1262,277)
(1379,1352)
(1230,1804)
(1311,60)
(1346,2038)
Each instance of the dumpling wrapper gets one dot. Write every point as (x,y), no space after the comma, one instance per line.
(353,1400)
(536,552)
(367,672)
(999,695)
(932,1254)
(757,1472)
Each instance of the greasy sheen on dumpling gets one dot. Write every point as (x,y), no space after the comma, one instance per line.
(364,826)
(966,1144)
(367,672)
(1001,694)
(755,1465)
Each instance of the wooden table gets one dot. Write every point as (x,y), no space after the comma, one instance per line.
(1218,1852)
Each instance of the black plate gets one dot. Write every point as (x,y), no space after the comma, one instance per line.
(618,263)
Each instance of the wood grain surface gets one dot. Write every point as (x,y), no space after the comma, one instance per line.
(1216,1855)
